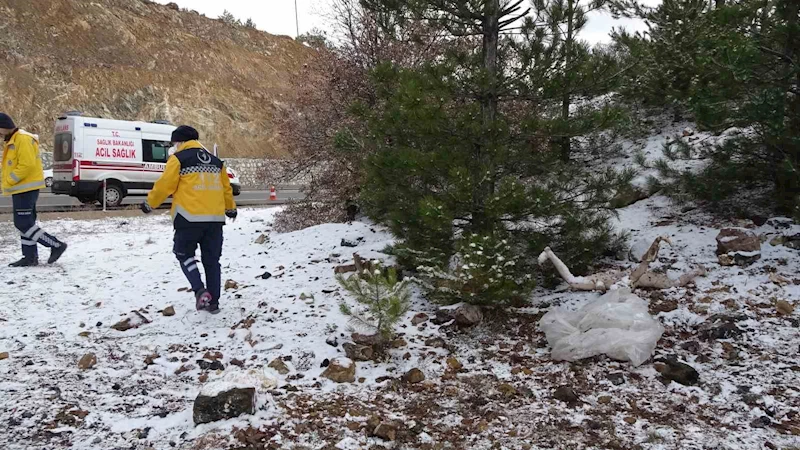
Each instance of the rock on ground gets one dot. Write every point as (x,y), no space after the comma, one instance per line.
(341,370)
(677,371)
(215,404)
(358,352)
(279,366)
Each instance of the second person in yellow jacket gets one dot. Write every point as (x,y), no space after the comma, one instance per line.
(202,198)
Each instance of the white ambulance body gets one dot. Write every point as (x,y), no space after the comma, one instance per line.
(128,156)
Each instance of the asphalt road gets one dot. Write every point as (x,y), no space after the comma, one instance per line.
(49,201)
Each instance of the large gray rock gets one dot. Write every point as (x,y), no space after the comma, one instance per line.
(216,402)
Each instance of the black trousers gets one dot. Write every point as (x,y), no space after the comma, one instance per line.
(25,221)
(208,236)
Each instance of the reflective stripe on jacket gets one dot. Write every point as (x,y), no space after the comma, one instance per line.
(199,185)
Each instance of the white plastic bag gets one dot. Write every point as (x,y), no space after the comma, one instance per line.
(617,324)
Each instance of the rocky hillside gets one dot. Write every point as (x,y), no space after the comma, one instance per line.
(133,59)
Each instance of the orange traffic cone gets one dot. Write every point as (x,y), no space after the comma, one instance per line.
(273,194)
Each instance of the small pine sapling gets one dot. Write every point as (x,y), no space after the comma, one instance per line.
(384,299)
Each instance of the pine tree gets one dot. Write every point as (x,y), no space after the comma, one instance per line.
(736,64)
(228,18)
(250,24)
(462,147)
(385,299)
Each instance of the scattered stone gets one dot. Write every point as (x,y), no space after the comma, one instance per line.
(386,431)
(213,356)
(87,361)
(616,378)
(349,243)
(213,404)
(468,315)
(366,339)
(262,239)
(740,259)
(630,420)
(507,390)
(358,352)
(332,341)
(436,342)
(443,316)
(398,343)
(604,400)
(454,364)
(169,311)
(414,376)
(674,370)
(720,327)
(149,359)
(265,276)
(784,308)
(237,362)
(213,365)
(761,422)
(4,355)
(183,369)
(230,284)
(279,366)
(738,246)
(419,319)
(134,320)
(567,395)
(732,240)
(325,363)
(341,370)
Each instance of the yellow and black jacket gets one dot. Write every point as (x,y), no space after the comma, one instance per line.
(22,164)
(199,185)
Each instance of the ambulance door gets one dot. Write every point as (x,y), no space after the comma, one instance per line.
(155,153)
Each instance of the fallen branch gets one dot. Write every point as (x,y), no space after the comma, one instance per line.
(641,277)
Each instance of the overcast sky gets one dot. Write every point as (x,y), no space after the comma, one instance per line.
(278,16)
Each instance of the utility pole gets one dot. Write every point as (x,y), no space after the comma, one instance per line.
(296,20)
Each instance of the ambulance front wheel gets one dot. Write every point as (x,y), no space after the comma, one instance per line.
(114,195)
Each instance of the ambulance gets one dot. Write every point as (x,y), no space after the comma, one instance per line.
(128,156)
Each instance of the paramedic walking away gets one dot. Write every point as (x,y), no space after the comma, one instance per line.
(201,199)
(22,177)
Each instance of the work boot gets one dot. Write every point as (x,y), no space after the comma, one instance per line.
(203,299)
(25,262)
(56,253)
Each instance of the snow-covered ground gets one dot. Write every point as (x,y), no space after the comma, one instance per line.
(502,398)
(140,392)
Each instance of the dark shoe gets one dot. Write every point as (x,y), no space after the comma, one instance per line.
(56,253)
(25,262)
(213,308)
(203,299)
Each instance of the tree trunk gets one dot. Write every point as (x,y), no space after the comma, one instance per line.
(566,149)
(483,184)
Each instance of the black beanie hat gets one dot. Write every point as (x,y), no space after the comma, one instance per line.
(6,121)
(184,133)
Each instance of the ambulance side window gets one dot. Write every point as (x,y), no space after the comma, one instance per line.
(155,151)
